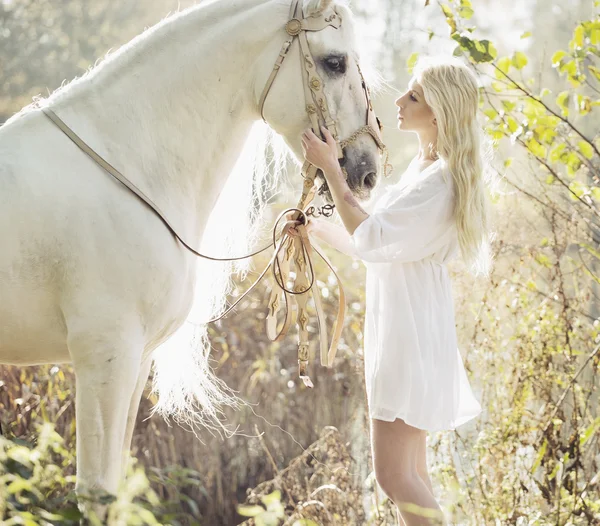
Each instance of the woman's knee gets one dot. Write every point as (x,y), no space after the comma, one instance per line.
(396,486)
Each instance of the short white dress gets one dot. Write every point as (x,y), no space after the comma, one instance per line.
(413,367)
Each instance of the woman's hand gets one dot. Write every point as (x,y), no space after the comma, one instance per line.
(322,154)
(310,225)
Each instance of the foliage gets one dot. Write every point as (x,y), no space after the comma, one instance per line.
(537,448)
(34,489)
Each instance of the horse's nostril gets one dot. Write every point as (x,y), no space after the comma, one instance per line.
(369,180)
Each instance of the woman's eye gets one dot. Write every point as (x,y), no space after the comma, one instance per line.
(412,97)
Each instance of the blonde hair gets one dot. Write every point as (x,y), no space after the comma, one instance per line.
(450,89)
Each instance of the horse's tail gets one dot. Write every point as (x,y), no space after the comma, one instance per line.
(187,388)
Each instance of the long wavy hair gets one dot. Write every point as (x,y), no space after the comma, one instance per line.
(450,89)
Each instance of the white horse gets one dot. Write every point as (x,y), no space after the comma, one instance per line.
(88,273)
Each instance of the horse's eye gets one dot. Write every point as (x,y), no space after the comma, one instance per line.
(335,64)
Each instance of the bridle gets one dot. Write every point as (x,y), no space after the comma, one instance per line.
(318,112)
(316,102)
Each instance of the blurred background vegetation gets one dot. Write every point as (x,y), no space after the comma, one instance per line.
(529,335)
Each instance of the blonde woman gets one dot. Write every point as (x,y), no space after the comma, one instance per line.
(414,373)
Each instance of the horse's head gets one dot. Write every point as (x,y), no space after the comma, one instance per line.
(335,57)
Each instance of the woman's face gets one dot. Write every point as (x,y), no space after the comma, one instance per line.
(414,114)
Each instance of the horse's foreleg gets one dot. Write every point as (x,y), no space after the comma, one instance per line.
(133,409)
(107,368)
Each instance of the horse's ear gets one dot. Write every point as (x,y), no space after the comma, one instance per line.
(312,7)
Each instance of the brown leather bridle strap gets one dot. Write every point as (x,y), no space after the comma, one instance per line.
(296,25)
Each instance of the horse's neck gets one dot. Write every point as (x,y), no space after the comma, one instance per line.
(172,109)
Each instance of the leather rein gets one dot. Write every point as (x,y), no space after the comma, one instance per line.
(318,113)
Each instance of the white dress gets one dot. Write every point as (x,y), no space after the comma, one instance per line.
(413,368)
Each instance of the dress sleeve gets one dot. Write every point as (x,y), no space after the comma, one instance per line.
(412,226)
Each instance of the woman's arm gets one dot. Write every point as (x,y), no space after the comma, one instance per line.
(323,155)
(335,235)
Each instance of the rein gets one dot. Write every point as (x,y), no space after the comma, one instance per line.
(296,248)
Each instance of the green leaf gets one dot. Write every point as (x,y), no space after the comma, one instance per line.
(531,284)
(411,61)
(578,188)
(557,58)
(504,65)
(458,51)
(536,148)
(465,12)
(545,134)
(573,163)
(447,11)
(274,496)
(519,60)
(512,124)
(584,104)
(527,34)
(508,162)
(595,191)
(589,432)
(533,110)
(539,456)
(586,149)
(591,250)
(556,152)
(490,48)
(544,260)
(19,485)
(508,105)
(563,102)
(495,134)
(249,511)
(595,71)
(578,38)
(490,113)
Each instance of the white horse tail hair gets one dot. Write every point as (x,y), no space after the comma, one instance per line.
(187,388)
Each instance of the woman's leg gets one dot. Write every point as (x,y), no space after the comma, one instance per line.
(422,463)
(395,447)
